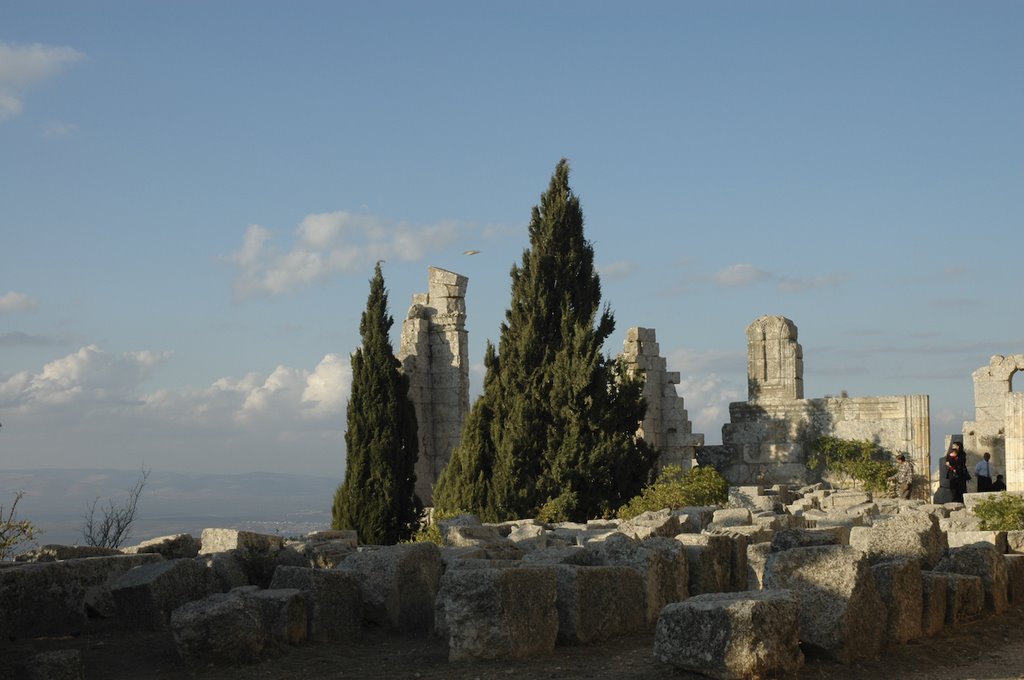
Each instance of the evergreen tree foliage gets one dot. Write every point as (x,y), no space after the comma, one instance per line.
(378,497)
(555,426)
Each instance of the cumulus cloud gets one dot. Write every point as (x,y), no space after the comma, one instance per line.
(22,66)
(326,244)
(707,398)
(740,275)
(617,270)
(13,301)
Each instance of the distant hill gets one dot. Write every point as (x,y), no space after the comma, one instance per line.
(172,502)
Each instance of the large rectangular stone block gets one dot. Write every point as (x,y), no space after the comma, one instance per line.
(732,636)
(146,595)
(53,598)
(935,589)
(840,608)
(334,597)
(399,584)
(598,603)
(499,613)
(899,584)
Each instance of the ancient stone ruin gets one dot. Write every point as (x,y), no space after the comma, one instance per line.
(998,425)
(738,591)
(666,425)
(434,352)
(767,438)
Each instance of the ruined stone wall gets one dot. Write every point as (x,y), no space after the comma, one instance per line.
(996,411)
(666,425)
(434,352)
(767,438)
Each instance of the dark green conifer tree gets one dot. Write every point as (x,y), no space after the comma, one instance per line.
(378,497)
(554,431)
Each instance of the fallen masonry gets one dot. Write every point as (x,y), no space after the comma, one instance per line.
(748,590)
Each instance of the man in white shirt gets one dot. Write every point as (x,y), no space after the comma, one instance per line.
(983,471)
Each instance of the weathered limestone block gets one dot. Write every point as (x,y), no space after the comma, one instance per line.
(842,500)
(757,560)
(965,597)
(777,522)
(710,559)
(531,537)
(913,535)
(749,534)
(146,595)
(960,523)
(935,592)
(54,598)
(259,554)
(486,537)
(599,603)
(839,605)
(899,583)
(940,511)
(996,539)
(842,527)
(743,496)
(223,629)
(498,613)
(222,540)
(334,598)
(171,547)
(729,517)
(61,664)
(327,554)
(985,561)
(1015,542)
(694,519)
(788,539)
(568,554)
(732,636)
(349,536)
(1015,576)
(226,570)
(55,552)
(285,613)
(399,584)
(652,523)
(660,562)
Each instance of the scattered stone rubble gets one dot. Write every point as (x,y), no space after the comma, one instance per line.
(730,592)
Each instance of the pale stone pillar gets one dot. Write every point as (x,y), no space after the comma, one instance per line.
(1014,420)
(434,352)
(775,360)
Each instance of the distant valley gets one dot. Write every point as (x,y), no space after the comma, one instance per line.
(57,501)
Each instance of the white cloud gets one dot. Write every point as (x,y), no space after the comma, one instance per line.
(22,66)
(57,128)
(707,398)
(617,270)
(16,302)
(739,275)
(91,408)
(327,244)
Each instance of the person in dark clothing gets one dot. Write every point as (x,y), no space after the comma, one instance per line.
(999,484)
(956,472)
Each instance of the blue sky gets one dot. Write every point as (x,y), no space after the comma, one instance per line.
(193,194)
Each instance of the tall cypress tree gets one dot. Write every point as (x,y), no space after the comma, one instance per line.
(378,497)
(556,423)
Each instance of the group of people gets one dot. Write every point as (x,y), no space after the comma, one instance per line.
(955,463)
(958,476)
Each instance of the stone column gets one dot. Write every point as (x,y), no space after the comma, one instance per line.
(1014,420)
(435,355)
(775,360)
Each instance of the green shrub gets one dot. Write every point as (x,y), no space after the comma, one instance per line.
(676,488)
(429,530)
(861,463)
(558,509)
(1004,512)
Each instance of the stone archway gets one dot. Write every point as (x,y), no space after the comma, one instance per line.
(998,425)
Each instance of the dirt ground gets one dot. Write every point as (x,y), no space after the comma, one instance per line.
(987,649)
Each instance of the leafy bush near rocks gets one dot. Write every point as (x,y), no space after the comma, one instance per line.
(1004,512)
(678,488)
(861,463)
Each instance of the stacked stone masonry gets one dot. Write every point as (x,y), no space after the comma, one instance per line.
(434,352)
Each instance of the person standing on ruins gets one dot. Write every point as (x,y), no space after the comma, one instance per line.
(983,471)
(956,471)
(904,476)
